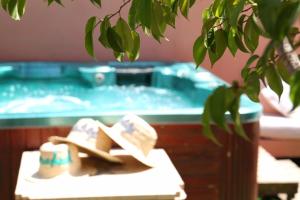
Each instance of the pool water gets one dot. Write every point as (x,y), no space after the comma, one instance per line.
(37,96)
(60,93)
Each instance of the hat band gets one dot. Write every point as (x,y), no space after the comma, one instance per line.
(56,161)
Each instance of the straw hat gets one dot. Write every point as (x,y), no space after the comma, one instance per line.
(64,162)
(135,135)
(86,136)
(54,160)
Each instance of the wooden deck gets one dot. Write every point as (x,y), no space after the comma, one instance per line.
(278,176)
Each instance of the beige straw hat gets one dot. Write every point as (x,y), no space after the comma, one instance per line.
(54,160)
(135,135)
(87,136)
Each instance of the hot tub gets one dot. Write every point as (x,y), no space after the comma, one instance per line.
(39,99)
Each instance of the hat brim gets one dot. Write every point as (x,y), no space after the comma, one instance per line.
(126,145)
(86,149)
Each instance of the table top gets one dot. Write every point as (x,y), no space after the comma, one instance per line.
(271,170)
(131,180)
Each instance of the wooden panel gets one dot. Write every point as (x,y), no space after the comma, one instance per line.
(282,148)
(196,158)
(242,157)
(5,166)
(17,146)
(33,138)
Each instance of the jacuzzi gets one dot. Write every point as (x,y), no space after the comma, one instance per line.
(40,99)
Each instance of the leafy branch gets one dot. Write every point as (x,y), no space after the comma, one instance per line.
(226,26)
(234,25)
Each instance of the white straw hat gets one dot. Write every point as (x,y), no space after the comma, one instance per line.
(54,160)
(86,136)
(135,135)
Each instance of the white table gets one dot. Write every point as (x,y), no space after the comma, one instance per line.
(131,180)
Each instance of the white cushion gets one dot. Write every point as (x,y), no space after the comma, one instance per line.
(282,105)
(279,127)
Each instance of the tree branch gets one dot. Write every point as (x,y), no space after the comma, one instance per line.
(115,13)
(247,9)
(120,9)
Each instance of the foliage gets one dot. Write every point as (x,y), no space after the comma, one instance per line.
(236,25)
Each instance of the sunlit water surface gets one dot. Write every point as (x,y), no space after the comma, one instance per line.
(40,96)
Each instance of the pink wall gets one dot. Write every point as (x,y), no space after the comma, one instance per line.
(57,34)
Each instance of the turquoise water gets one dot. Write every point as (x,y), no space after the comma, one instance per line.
(61,95)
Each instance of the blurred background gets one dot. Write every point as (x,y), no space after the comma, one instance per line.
(56,33)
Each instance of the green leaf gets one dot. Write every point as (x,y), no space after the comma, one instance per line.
(232,46)
(235,115)
(268,11)
(282,70)
(103,32)
(133,14)
(206,118)
(199,50)
(134,53)
(4,4)
(59,2)
(206,14)
(90,25)
(259,26)
(175,6)
(274,80)
(207,26)
(245,71)
(295,89)
(158,24)
(146,15)
(253,86)
(251,35)
(170,17)
(277,16)
(241,24)
(184,6)
(209,40)
(292,33)
(114,40)
(221,42)
(96,3)
(220,46)
(212,57)
(13,9)
(267,53)
(240,44)
(50,2)
(218,107)
(119,56)
(251,60)
(21,7)
(233,10)
(192,2)
(289,11)
(218,7)
(89,28)
(56,1)
(124,31)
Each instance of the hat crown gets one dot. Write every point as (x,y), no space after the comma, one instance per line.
(137,132)
(86,129)
(54,159)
